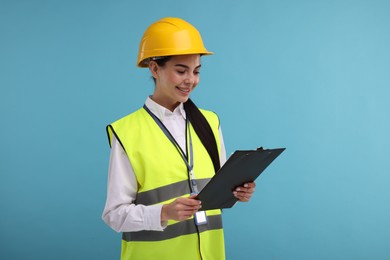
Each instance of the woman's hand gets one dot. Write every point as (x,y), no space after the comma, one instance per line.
(245,192)
(180,209)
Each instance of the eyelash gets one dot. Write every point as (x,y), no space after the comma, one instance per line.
(182,72)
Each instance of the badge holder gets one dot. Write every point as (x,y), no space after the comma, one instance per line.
(200,218)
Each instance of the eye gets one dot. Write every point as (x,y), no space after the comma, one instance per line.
(181,71)
(196,72)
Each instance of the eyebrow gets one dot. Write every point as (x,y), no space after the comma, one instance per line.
(185,66)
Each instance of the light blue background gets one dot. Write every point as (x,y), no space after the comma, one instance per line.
(312,76)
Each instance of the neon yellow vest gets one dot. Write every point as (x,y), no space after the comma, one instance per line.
(162,177)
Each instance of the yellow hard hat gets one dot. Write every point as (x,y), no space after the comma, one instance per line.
(169,36)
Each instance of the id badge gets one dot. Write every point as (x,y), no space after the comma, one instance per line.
(200,218)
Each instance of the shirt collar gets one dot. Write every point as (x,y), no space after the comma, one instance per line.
(161,112)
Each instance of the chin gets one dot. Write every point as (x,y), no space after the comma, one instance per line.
(183,100)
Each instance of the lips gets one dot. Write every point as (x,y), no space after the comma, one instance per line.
(184,90)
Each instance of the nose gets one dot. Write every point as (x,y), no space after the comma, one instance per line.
(190,79)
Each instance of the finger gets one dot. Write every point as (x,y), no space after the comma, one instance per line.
(183,216)
(193,196)
(242,196)
(189,201)
(186,214)
(245,190)
(188,208)
(243,199)
(250,185)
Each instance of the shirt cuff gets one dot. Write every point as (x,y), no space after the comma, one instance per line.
(153,218)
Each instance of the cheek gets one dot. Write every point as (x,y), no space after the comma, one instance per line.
(175,79)
(196,81)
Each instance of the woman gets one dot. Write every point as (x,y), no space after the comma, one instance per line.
(163,154)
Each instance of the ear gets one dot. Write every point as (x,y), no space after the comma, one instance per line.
(153,67)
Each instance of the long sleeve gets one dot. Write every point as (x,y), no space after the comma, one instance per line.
(222,156)
(120,212)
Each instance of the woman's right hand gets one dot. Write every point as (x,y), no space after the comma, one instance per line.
(180,209)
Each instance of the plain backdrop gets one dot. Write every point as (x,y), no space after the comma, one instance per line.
(311,76)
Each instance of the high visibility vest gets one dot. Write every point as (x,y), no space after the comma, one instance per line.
(162,177)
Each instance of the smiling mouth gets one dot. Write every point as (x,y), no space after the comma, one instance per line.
(184,90)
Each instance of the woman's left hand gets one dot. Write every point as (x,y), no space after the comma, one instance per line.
(245,192)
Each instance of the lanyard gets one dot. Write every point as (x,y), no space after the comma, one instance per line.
(189,163)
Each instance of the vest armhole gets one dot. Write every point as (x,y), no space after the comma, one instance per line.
(204,112)
(219,121)
(110,131)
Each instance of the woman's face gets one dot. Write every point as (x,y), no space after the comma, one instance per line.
(175,80)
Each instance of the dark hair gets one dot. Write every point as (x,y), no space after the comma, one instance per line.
(204,131)
(198,121)
(160,62)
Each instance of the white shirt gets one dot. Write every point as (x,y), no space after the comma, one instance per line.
(120,212)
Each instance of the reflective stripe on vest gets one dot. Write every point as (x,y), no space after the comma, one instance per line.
(186,227)
(150,151)
(168,192)
(162,177)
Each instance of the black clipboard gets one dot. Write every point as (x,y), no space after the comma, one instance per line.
(242,166)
